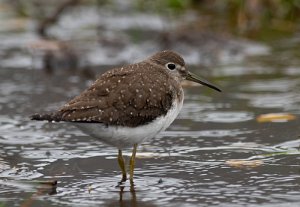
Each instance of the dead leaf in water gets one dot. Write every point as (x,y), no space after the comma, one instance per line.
(244,163)
(275,117)
(43,188)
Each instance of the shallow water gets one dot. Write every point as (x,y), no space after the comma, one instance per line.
(188,165)
(217,152)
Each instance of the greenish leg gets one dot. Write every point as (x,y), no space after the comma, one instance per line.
(121,162)
(132,163)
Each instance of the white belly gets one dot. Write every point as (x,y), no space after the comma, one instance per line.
(122,137)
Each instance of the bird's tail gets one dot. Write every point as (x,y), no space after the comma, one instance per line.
(46,117)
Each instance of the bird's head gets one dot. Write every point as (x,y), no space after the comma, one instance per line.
(175,65)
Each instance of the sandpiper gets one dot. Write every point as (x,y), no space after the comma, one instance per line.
(127,105)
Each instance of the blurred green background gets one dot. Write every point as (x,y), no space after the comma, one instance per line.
(255,19)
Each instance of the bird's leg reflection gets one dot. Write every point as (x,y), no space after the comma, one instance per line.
(121,193)
(133,196)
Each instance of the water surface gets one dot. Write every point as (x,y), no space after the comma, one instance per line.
(215,153)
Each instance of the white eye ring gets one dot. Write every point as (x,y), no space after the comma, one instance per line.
(171,66)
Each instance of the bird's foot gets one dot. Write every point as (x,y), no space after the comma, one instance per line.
(122,181)
(120,184)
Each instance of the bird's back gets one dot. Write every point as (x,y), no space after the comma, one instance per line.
(129,96)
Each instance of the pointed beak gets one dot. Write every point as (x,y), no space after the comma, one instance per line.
(192,77)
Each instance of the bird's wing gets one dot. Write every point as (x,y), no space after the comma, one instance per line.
(123,96)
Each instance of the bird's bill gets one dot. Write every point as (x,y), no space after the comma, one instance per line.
(192,77)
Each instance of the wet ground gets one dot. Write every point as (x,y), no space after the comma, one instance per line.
(219,151)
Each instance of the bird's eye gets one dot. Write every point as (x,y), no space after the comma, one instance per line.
(171,66)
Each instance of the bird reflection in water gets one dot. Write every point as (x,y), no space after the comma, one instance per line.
(125,200)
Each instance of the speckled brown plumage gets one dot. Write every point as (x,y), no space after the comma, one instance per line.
(129,96)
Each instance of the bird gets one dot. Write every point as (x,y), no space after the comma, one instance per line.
(128,105)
